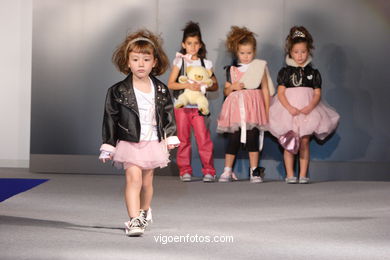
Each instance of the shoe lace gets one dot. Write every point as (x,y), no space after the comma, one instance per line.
(139,221)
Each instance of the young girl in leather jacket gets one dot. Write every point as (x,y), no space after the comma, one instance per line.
(138,124)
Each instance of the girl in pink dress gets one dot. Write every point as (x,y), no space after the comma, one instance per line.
(138,124)
(245,110)
(297,112)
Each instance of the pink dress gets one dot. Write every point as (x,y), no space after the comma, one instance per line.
(321,121)
(300,82)
(242,109)
(145,154)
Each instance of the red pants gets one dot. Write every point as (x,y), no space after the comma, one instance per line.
(185,118)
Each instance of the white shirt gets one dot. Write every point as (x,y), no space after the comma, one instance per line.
(207,63)
(147,113)
(243,67)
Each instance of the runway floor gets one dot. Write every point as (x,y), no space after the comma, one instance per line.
(74,216)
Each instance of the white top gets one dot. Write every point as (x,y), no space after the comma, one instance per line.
(243,67)
(147,114)
(207,63)
(178,63)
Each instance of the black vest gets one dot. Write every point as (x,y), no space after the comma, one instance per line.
(227,68)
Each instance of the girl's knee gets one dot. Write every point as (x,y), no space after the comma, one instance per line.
(147,179)
(305,140)
(147,185)
(134,182)
(304,145)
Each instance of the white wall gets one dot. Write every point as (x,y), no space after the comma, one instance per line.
(15,82)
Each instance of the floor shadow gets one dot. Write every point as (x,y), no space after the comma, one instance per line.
(23,221)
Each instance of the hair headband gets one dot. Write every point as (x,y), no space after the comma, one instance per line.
(142,39)
(298,34)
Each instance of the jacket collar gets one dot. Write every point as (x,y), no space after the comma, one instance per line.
(128,84)
(292,63)
(127,97)
(127,91)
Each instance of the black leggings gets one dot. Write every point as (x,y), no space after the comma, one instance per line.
(252,141)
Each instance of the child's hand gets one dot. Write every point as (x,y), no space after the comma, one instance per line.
(104,160)
(171,146)
(105,156)
(306,110)
(238,85)
(293,111)
(194,86)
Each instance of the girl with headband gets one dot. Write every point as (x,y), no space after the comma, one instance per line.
(138,124)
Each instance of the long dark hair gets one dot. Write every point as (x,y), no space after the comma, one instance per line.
(192,29)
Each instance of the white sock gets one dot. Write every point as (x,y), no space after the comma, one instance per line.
(227,169)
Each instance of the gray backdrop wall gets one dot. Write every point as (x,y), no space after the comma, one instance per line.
(73,42)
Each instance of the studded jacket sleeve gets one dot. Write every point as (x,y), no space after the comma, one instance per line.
(168,118)
(110,119)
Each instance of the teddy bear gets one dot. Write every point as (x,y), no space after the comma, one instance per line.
(195,74)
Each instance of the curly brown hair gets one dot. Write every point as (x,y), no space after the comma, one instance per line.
(192,29)
(120,58)
(299,34)
(239,35)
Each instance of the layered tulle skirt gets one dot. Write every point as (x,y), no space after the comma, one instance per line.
(243,108)
(321,121)
(145,154)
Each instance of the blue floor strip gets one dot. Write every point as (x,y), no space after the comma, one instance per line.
(11,187)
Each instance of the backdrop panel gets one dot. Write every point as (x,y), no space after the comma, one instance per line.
(73,42)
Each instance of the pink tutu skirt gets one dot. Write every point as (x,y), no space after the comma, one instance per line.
(321,121)
(145,154)
(242,107)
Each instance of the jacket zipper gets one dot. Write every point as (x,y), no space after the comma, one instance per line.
(158,118)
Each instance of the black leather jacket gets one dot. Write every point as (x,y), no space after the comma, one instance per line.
(121,115)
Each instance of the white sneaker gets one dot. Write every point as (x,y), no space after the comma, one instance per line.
(257,175)
(186,177)
(291,180)
(304,180)
(227,176)
(136,226)
(208,178)
(147,214)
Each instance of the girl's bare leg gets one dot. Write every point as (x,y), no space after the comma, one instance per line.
(289,163)
(133,190)
(147,189)
(304,156)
